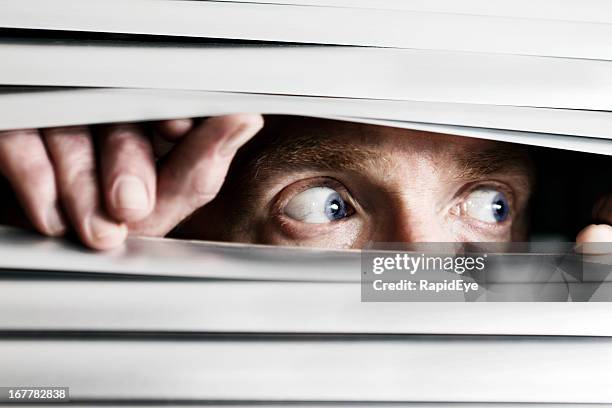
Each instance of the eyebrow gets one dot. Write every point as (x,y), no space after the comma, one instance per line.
(312,154)
(328,153)
(502,157)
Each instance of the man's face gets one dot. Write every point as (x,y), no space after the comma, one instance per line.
(322,183)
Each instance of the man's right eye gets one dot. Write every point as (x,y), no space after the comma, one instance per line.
(318,205)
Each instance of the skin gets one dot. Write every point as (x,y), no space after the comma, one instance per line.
(400,188)
(61,183)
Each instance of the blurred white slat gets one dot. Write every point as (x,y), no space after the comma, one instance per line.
(570,10)
(555,128)
(296,23)
(417,369)
(273,307)
(45,107)
(374,73)
(256,289)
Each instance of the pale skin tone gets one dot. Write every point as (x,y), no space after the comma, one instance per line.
(391,185)
(106,189)
(396,185)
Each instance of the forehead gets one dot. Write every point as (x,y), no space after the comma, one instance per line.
(303,132)
(297,142)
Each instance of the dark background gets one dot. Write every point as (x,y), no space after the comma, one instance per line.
(568,185)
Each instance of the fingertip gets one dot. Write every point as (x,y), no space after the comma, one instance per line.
(248,121)
(243,127)
(595,233)
(595,239)
(102,234)
(54,224)
(253,121)
(174,129)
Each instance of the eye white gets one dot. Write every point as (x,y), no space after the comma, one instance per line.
(317,205)
(487,205)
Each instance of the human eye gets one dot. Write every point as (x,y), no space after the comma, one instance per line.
(318,205)
(488,205)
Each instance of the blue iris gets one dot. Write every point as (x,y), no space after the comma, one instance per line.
(500,207)
(335,207)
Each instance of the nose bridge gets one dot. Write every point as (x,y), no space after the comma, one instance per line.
(416,223)
(411,213)
(412,228)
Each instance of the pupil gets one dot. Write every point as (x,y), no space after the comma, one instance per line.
(335,207)
(500,209)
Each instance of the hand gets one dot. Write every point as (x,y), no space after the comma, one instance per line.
(591,238)
(104,185)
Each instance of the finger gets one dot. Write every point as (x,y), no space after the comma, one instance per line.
(196,168)
(167,133)
(72,152)
(174,129)
(127,170)
(595,239)
(26,165)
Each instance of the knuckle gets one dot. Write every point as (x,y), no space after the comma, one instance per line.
(66,136)
(31,164)
(21,148)
(17,133)
(68,144)
(33,170)
(122,133)
(66,130)
(127,141)
(38,177)
(76,179)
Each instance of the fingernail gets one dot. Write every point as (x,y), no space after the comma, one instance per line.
(55,224)
(130,193)
(104,234)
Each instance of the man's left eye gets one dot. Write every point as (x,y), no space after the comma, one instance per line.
(487,205)
(317,205)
